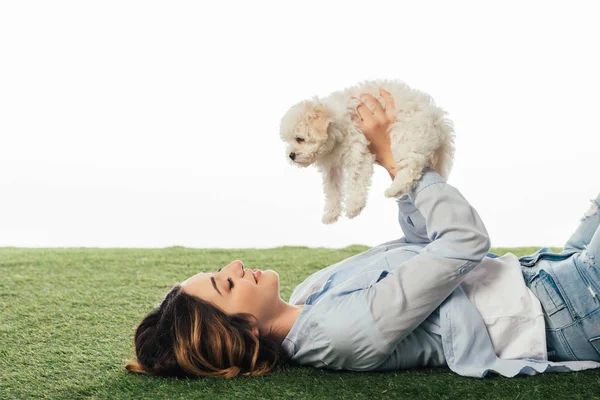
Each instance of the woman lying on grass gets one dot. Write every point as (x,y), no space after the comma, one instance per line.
(435,297)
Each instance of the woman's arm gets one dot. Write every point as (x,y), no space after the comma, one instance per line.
(376,318)
(415,288)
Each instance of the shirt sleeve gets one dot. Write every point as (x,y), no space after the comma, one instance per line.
(414,289)
(412,221)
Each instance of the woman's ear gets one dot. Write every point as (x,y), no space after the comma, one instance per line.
(253,321)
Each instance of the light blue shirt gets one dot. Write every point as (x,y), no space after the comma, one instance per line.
(380,309)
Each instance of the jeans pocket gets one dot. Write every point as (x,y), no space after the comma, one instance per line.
(547,293)
(595,342)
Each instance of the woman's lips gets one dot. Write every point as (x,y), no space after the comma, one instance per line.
(257,274)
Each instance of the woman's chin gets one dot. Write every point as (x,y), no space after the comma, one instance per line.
(269,275)
(269,278)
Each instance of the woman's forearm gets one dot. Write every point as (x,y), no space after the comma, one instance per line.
(393,171)
(388,162)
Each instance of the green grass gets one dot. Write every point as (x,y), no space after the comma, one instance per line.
(67,318)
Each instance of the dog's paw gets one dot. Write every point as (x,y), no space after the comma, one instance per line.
(330,217)
(400,186)
(353,210)
(392,192)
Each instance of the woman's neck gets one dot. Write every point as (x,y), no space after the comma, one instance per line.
(283,320)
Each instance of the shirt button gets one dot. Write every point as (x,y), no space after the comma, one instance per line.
(462,270)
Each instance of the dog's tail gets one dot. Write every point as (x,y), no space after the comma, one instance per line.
(444,155)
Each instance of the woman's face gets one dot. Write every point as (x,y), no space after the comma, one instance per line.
(236,289)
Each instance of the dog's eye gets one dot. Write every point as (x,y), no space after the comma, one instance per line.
(299,140)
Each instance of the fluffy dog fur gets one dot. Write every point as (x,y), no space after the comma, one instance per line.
(320,131)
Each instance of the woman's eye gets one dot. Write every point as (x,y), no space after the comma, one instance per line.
(299,140)
(230,283)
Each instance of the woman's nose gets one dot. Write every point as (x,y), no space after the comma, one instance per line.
(236,265)
(233,266)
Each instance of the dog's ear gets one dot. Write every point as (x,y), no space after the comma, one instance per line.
(318,119)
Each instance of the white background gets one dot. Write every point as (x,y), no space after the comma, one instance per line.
(151,124)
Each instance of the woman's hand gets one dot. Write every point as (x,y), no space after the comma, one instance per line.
(375,122)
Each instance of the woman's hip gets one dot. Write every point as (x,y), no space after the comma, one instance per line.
(569,291)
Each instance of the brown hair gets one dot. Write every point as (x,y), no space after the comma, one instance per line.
(186,336)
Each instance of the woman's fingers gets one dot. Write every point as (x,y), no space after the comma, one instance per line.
(375,107)
(370,112)
(390,105)
(364,114)
(358,117)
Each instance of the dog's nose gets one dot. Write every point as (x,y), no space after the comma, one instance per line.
(292,156)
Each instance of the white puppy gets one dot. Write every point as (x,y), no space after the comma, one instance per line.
(321,132)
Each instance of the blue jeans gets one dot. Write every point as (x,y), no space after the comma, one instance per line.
(568,286)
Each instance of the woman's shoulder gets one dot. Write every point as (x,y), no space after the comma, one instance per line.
(333,332)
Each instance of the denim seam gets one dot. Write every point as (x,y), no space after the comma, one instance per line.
(565,344)
(564,301)
(580,320)
(560,336)
(590,314)
(591,341)
(561,290)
